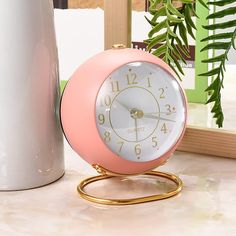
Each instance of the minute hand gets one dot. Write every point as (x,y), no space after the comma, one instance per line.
(157,118)
(123,105)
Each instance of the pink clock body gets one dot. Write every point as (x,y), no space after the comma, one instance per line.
(78,111)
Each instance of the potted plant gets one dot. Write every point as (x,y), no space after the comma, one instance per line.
(172,23)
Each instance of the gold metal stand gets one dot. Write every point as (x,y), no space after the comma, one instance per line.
(105,175)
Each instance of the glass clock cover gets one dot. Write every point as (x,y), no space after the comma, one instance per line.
(140,111)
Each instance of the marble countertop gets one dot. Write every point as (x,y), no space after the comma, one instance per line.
(206,206)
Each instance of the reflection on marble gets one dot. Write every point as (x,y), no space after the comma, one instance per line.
(132,187)
(206,206)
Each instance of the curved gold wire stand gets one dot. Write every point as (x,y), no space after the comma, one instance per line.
(81,188)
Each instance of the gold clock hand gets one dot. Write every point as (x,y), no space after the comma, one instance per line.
(135,115)
(157,118)
(136,128)
(152,113)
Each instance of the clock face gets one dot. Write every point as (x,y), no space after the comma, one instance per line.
(140,111)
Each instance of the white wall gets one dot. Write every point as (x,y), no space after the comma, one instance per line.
(80,35)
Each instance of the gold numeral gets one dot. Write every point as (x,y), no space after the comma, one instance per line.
(131,79)
(105,101)
(154,141)
(137,149)
(170,109)
(115,86)
(162,93)
(121,143)
(164,128)
(101,119)
(149,83)
(107,136)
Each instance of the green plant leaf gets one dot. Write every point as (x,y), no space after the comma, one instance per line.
(214,59)
(217,108)
(178,54)
(176,72)
(213,97)
(221,3)
(233,40)
(223,13)
(161,12)
(183,48)
(223,25)
(169,45)
(187,1)
(157,28)
(170,32)
(187,11)
(183,33)
(173,10)
(220,119)
(211,72)
(160,50)
(193,10)
(158,39)
(203,4)
(151,22)
(175,61)
(172,18)
(153,6)
(214,85)
(216,99)
(218,36)
(190,29)
(217,45)
(217,84)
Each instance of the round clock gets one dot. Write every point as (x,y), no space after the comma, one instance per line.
(123,111)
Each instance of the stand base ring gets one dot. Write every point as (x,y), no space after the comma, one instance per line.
(178,182)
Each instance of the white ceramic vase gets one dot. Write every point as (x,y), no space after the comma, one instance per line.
(31,141)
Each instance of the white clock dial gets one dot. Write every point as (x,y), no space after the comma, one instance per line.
(140,111)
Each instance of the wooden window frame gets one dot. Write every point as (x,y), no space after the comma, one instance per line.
(61,4)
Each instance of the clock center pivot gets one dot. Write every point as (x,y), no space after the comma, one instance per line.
(136,113)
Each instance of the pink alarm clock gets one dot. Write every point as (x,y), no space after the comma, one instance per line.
(123,110)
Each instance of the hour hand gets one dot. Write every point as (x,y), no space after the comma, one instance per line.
(157,117)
